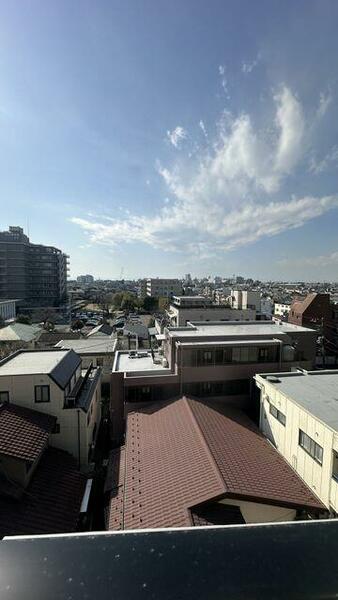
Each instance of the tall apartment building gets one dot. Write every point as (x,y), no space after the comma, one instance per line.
(164,287)
(34,274)
(299,415)
(85,279)
(214,360)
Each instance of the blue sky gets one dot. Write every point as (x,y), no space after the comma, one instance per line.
(163,138)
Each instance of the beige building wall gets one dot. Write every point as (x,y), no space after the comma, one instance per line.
(317,477)
(254,512)
(71,420)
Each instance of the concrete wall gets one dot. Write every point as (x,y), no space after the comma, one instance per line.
(317,477)
(254,512)
(179,316)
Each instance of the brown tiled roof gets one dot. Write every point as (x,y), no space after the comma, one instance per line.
(23,432)
(188,452)
(300,306)
(52,501)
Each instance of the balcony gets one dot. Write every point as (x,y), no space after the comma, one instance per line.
(295,560)
(81,394)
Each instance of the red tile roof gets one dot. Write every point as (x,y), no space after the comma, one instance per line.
(52,501)
(24,433)
(187,452)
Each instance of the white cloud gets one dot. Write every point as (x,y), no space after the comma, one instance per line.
(232,193)
(224,81)
(311,261)
(202,127)
(325,100)
(291,125)
(329,160)
(248,67)
(176,136)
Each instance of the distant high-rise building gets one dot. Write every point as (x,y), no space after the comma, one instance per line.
(34,274)
(164,287)
(86,279)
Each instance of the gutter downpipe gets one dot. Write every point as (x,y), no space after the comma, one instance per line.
(78,437)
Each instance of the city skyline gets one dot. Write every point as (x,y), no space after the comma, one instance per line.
(161,139)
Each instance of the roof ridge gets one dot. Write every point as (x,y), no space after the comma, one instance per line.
(205,443)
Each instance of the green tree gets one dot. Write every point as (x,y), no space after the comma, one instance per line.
(117,300)
(163,303)
(24,319)
(78,324)
(129,302)
(150,303)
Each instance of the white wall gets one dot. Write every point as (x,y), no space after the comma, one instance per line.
(179,316)
(317,477)
(21,392)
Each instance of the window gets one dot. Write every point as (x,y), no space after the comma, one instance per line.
(335,466)
(207,357)
(277,414)
(311,447)
(42,393)
(4,397)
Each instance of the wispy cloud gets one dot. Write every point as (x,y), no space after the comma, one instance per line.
(248,67)
(232,193)
(176,136)
(325,99)
(311,261)
(203,128)
(224,81)
(329,160)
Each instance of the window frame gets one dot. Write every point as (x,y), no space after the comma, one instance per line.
(277,414)
(40,387)
(310,446)
(6,393)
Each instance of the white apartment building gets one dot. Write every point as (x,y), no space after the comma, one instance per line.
(281,310)
(53,382)
(299,415)
(243,299)
(8,310)
(184,309)
(163,287)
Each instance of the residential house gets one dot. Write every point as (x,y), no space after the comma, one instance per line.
(98,352)
(190,462)
(54,382)
(41,488)
(299,415)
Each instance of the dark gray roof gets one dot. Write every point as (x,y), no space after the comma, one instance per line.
(53,337)
(136,329)
(103,329)
(63,371)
